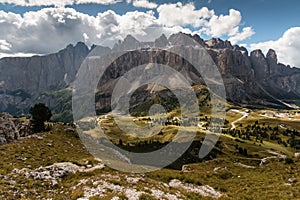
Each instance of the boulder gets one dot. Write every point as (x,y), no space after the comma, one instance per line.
(187,168)
(8,130)
(12,129)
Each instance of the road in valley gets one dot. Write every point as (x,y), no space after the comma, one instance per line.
(245,114)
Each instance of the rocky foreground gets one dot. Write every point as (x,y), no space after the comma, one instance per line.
(55,165)
(116,185)
(26,173)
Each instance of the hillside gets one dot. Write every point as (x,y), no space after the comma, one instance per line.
(55,165)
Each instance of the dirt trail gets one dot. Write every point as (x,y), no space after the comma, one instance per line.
(245,114)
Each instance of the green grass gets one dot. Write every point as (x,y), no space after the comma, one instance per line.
(235,182)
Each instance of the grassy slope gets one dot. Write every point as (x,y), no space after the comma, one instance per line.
(267,182)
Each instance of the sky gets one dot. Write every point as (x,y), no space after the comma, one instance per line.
(29,27)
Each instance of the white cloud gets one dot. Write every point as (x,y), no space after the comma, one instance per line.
(58,3)
(4,55)
(51,29)
(47,30)
(245,34)
(180,15)
(5,46)
(287,47)
(143,4)
(224,24)
(205,21)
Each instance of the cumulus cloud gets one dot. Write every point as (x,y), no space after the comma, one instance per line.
(240,36)
(50,29)
(228,25)
(224,24)
(46,30)
(287,47)
(205,21)
(58,3)
(143,4)
(180,15)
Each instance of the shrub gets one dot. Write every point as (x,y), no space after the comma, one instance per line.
(40,113)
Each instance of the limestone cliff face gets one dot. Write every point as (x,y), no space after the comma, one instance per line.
(259,65)
(41,73)
(24,79)
(278,80)
(255,79)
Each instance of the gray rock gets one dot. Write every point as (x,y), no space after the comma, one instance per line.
(217,43)
(161,42)
(54,182)
(292,180)
(8,130)
(15,171)
(186,168)
(267,160)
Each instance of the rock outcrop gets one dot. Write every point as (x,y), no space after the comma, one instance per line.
(12,129)
(161,42)
(217,43)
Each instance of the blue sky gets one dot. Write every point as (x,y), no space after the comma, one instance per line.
(269,18)
(255,24)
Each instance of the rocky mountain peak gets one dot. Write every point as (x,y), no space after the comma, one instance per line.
(199,40)
(272,57)
(128,43)
(99,50)
(179,39)
(217,43)
(240,48)
(129,38)
(161,42)
(257,54)
(69,46)
(79,47)
(259,64)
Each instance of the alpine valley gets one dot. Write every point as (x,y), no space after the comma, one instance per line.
(256,155)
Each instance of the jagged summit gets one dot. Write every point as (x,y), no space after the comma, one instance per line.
(161,42)
(249,79)
(178,39)
(272,57)
(217,43)
(128,43)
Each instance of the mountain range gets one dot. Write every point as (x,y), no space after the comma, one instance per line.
(251,79)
